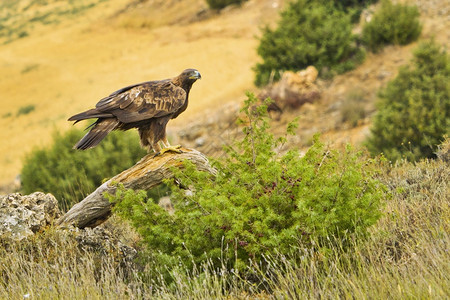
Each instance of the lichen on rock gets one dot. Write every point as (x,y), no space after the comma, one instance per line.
(24,215)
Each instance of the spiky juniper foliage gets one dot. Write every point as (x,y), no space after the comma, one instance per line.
(353,7)
(414,108)
(310,32)
(260,202)
(354,3)
(397,24)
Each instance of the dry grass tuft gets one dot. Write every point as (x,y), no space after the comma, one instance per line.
(52,266)
(353,107)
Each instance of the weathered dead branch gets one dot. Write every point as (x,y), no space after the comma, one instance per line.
(147,173)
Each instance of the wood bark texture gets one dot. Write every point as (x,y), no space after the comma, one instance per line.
(147,173)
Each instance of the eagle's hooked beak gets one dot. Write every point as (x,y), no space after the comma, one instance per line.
(196,75)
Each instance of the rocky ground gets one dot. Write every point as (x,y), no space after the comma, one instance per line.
(24,216)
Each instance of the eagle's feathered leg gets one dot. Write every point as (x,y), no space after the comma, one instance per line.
(147,139)
(155,133)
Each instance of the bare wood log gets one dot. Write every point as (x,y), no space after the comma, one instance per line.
(149,172)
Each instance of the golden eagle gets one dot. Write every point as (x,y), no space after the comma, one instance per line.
(147,106)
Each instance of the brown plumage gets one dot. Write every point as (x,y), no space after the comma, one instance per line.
(147,106)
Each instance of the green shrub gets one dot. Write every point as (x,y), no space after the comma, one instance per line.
(353,7)
(392,24)
(70,175)
(354,3)
(260,202)
(25,110)
(414,109)
(308,33)
(219,4)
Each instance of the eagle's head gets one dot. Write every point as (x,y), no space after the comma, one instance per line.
(187,78)
(190,75)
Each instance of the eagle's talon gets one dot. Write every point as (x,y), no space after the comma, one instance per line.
(175,149)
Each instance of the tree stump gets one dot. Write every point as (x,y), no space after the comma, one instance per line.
(149,172)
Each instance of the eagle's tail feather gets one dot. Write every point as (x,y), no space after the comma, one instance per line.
(100,130)
(89,114)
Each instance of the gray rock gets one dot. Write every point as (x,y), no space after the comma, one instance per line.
(22,216)
(101,240)
(200,141)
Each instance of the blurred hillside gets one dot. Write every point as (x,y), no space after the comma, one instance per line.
(60,57)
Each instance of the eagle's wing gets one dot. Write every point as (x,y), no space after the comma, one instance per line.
(143,101)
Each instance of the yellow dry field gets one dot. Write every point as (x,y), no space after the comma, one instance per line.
(65,68)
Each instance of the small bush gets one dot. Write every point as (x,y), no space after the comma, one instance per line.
(260,202)
(25,110)
(219,4)
(354,3)
(354,7)
(392,24)
(70,175)
(414,109)
(309,33)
